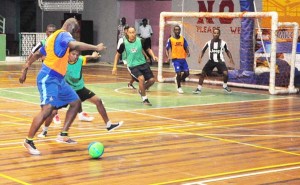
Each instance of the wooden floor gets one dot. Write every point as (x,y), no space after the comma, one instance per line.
(247,137)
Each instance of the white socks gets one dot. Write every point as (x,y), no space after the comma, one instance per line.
(199,87)
(108,124)
(224,85)
(144,98)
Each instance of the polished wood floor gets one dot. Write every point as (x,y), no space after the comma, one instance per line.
(251,138)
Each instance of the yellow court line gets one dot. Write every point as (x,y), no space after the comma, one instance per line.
(237,142)
(108,136)
(183,130)
(13,179)
(243,124)
(232,172)
(22,119)
(228,173)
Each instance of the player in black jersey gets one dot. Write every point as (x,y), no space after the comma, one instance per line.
(216,47)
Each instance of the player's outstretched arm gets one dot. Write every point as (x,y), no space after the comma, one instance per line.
(34,57)
(95,55)
(117,57)
(81,46)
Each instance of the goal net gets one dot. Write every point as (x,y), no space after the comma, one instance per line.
(264,58)
(27,41)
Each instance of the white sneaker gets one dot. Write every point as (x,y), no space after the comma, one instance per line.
(29,145)
(180,91)
(43,134)
(56,119)
(83,116)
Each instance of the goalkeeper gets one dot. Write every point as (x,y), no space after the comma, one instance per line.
(216,47)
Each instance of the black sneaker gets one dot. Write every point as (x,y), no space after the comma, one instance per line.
(146,102)
(29,145)
(130,86)
(114,126)
(227,89)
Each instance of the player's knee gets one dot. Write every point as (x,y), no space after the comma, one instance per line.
(47,110)
(75,104)
(141,78)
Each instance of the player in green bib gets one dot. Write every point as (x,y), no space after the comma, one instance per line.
(75,79)
(136,62)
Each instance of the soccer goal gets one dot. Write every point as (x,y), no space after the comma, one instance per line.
(264,58)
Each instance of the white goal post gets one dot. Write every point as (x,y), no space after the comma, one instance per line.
(164,16)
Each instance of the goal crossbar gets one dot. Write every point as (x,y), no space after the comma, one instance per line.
(274,27)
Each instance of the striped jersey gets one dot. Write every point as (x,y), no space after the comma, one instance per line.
(216,50)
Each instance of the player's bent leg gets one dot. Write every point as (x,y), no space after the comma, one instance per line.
(102,111)
(225,80)
(185,75)
(100,107)
(70,116)
(149,83)
(47,123)
(36,124)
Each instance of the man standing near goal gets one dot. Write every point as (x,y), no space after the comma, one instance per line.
(216,47)
(178,49)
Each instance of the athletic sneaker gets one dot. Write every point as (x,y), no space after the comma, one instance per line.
(43,134)
(65,139)
(83,116)
(227,89)
(197,91)
(114,126)
(56,119)
(130,86)
(146,102)
(180,91)
(29,145)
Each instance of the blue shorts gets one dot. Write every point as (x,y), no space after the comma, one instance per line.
(180,65)
(53,88)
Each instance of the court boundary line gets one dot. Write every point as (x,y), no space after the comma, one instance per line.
(13,179)
(243,175)
(206,104)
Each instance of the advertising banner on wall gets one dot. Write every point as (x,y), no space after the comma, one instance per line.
(198,31)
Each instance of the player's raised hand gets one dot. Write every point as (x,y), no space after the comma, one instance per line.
(100,47)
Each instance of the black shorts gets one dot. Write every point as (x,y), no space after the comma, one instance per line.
(210,65)
(147,42)
(85,94)
(143,69)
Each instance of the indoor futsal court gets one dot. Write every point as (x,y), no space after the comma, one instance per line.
(246,137)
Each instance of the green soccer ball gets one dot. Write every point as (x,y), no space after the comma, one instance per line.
(96,149)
